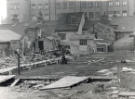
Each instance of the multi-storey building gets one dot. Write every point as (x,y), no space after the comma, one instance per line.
(26,10)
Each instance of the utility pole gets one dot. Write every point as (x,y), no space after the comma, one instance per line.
(18,61)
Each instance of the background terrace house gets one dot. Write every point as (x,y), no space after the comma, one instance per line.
(104,36)
(69,24)
(45,44)
(83,44)
(6,37)
(125,28)
(41,36)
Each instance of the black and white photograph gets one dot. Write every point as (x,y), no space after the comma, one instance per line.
(67,49)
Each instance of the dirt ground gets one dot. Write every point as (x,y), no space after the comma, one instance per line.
(82,91)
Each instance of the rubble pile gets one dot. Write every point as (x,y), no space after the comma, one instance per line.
(7,62)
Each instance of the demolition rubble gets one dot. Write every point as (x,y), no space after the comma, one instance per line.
(115,82)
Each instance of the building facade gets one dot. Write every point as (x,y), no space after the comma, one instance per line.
(30,10)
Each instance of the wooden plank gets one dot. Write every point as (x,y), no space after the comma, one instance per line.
(4,78)
(15,82)
(10,69)
(126,94)
(49,77)
(103,77)
(65,82)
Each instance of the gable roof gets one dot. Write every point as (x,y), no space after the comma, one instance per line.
(124,23)
(8,35)
(19,28)
(89,24)
(69,22)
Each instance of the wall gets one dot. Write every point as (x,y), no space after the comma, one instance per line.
(48,44)
(26,12)
(23,11)
(83,49)
(121,35)
(92,46)
(4,49)
(68,35)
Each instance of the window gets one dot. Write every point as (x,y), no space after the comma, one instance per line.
(17,6)
(14,6)
(91,4)
(33,6)
(15,17)
(110,4)
(64,5)
(91,14)
(71,5)
(58,5)
(100,49)
(124,13)
(110,13)
(40,7)
(34,18)
(84,4)
(11,6)
(116,14)
(83,42)
(97,4)
(97,14)
(46,17)
(46,6)
(124,2)
(117,3)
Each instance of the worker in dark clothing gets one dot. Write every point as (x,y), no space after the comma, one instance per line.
(63,59)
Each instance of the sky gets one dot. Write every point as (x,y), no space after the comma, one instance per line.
(3,11)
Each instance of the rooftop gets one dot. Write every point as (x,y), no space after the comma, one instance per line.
(124,23)
(69,22)
(8,35)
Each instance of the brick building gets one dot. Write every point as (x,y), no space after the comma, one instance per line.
(26,10)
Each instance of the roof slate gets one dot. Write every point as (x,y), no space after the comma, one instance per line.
(69,22)
(124,23)
(8,35)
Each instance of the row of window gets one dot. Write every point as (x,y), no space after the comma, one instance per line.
(117,13)
(117,3)
(91,15)
(40,6)
(72,5)
(14,6)
(17,16)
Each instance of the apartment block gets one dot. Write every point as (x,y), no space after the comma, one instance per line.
(30,10)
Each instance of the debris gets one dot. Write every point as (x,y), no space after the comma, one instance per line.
(127,80)
(15,82)
(4,78)
(99,88)
(127,69)
(105,72)
(65,82)
(126,94)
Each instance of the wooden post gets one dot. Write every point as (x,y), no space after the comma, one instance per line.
(18,60)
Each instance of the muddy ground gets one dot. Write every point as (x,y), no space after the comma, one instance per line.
(82,91)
